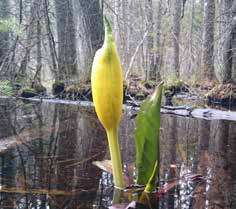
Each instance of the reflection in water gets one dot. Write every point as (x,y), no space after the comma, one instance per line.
(169,157)
(8,169)
(232,160)
(53,169)
(199,201)
(47,160)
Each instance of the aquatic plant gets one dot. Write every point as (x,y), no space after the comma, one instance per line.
(6,88)
(107,92)
(147,139)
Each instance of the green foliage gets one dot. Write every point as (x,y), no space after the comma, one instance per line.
(152,182)
(147,136)
(11,25)
(176,83)
(6,88)
(58,82)
(29,89)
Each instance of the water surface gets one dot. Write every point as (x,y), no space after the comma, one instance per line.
(47,150)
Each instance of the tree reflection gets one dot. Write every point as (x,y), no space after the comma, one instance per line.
(232,160)
(51,166)
(79,142)
(168,156)
(8,168)
(214,165)
(49,162)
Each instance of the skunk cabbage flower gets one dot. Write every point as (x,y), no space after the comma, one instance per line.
(107,92)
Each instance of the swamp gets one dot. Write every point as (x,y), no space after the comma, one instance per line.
(117,104)
(48,150)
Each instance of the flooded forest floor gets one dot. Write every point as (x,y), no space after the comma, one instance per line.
(176,92)
(48,148)
(48,145)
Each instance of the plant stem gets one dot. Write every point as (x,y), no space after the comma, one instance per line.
(114,147)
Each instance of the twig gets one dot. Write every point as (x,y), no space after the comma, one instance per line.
(135,54)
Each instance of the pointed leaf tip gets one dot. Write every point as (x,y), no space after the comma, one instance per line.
(147,136)
(158,91)
(107,25)
(108,30)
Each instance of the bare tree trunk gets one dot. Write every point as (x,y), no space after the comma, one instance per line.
(125,29)
(129,28)
(90,29)
(228,42)
(34,7)
(4,35)
(67,53)
(39,52)
(150,40)
(9,66)
(158,41)
(51,41)
(191,56)
(225,52)
(208,41)
(233,10)
(116,22)
(176,36)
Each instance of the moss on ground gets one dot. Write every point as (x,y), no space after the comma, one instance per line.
(33,90)
(58,87)
(6,88)
(222,93)
(173,87)
(28,92)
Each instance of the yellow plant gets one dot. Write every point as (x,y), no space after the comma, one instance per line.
(107,92)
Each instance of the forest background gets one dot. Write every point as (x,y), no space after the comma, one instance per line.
(46,42)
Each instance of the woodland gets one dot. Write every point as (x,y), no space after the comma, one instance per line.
(118,104)
(47,47)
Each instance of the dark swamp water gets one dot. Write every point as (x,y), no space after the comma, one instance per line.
(47,150)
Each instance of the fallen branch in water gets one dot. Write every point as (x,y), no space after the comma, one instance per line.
(208,114)
(202,113)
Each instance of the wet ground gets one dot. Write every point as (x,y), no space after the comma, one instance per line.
(47,150)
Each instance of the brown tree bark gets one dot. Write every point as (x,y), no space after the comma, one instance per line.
(208,40)
(227,72)
(233,11)
(176,37)
(67,53)
(32,21)
(51,40)
(150,40)
(158,56)
(89,15)
(4,34)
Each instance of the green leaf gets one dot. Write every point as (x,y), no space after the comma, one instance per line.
(151,185)
(6,88)
(147,136)
(11,25)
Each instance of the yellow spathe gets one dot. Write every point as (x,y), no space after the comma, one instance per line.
(107,92)
(107,86)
